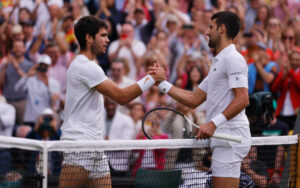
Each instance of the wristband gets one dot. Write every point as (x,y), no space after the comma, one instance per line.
(165,86)
(219,120)
(146,82)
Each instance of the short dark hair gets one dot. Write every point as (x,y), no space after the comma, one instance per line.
(231,21)
(87,25)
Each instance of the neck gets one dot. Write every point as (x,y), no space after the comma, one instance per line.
(223,44)
(19,59)
(117,80)
(88,54)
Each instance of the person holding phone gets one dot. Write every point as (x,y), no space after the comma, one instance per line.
(42,91)
(128,48)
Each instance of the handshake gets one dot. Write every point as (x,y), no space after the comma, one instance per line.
(155,75)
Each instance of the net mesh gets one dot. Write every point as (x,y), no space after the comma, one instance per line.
(272,162)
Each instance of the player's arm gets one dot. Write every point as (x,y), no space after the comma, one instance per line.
(127,94)
(120,95)
(239,103)
(188,98)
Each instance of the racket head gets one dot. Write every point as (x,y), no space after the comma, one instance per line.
(162,122)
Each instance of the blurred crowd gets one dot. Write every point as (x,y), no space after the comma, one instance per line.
(37,44)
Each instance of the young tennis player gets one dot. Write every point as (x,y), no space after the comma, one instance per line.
(86,85)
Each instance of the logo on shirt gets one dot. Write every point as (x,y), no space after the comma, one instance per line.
(215,69)
(236,78)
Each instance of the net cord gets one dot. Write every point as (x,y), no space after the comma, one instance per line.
(12,142)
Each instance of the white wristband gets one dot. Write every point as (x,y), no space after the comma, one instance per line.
(165,86)
(219,120)
(146,82)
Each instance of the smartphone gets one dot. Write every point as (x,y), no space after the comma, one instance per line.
(124,36)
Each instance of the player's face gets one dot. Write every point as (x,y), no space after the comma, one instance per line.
(213,34)
(100,43)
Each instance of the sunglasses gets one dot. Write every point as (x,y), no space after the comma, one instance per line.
(284,37)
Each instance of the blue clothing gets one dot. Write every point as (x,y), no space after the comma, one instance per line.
(11,78)
(252,75)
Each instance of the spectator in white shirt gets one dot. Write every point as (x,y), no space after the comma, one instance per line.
(7,117)
(43,91)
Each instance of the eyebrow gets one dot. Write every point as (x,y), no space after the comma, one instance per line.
(103,34)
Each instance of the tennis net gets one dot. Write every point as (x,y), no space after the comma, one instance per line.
(183,163)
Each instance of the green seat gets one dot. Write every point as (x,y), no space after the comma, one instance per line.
(149,178)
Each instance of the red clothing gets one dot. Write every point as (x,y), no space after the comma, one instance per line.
(292,84)
(159,156)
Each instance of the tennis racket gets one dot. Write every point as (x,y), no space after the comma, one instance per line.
(174,124)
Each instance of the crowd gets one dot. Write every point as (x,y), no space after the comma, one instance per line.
(37,44)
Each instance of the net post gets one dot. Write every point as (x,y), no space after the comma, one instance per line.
(45,164)
(298,163)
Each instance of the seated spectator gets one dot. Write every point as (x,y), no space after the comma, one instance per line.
(43,91)
(14,67)
(287,83)
(262,72)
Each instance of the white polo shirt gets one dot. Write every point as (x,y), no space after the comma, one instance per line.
(84,108)
(229,70)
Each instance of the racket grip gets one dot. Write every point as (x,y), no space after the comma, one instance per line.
(228,137)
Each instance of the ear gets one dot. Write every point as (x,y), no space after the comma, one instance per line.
(89,39)
(222,29)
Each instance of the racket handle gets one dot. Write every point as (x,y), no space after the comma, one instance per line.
(228,137)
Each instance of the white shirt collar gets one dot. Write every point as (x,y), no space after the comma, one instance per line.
(225,51)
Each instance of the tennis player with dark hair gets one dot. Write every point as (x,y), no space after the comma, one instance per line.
(225,90)
(86,85)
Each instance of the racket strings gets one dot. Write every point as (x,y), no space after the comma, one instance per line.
(165,122)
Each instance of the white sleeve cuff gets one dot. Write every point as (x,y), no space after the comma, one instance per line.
(165,86)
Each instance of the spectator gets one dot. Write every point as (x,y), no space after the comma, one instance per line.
(287,83)
(262,72)
(262,18)
(251,13)
(117,74)
(58,69)
(127,47)
(7,117)
(15,66)
(286,9)
(42,90)
(273,34)
(288,38)
(118,126)
(137,113)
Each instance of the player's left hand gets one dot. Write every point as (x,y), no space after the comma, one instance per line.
(206,131)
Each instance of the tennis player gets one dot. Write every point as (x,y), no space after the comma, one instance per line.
(86,85)
(225,90)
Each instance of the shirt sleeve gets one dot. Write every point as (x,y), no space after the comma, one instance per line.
(204,84)
(237,72)
(91,74)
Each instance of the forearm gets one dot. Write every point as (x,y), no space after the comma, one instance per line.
(36,46)
(239,103)
(21,85)
(2,77)
(188,98)
(267,77)
(279,157)
(114,55)
(20,72)
(61,44)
